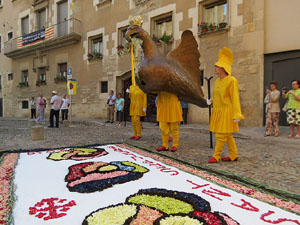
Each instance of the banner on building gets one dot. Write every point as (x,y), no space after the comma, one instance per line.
(36,37)
(72,86)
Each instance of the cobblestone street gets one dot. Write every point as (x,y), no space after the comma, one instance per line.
(270,161)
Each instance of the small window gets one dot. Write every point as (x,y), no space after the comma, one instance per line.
(62,69)
(163,26)
(10,76)
(0,3)
(25,25)
(0,43)
(97,45)
(10,35)
(24,104)
(42,74)
(96,48)
(122,38)
(104,87)
(0,82)
(25,76)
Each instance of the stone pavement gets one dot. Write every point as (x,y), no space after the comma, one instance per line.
(269,160)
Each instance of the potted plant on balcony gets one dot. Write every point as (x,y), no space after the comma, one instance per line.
(40,82)
(203,27)
(59,78)
(166,38)
(97,55)
(23,84)
(94,55)
(155,39)
(212,27)
(90,56)
(222,25)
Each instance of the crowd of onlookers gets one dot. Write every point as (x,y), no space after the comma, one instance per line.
(117,105)
(291,107)
(58,104)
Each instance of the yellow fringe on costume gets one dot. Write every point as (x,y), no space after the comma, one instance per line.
(168,108)
(226,106)
(138,101)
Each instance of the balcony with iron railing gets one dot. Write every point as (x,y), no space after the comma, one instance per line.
(65,33)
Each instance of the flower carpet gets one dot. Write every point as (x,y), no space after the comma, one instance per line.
(119,184)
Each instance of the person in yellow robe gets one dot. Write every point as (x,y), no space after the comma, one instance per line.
(169,114)
(226,108)
(138,108)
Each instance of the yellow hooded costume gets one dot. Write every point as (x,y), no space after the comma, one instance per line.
(226,108)
(169,113)
(138,102)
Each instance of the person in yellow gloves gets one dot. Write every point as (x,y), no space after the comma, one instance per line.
(138,108)
(169,114)
(226,108)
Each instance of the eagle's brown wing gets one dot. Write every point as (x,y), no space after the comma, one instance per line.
(187,55)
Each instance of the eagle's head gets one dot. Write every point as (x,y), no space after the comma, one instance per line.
(134,31)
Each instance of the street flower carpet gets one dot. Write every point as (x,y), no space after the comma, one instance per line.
(119,184)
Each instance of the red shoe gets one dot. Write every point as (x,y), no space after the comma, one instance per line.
(170,139)
(173,149)
(162,148)
(133,137)
(138,138)
(228,159)
(212,160)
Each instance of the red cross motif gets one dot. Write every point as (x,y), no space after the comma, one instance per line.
(51,208)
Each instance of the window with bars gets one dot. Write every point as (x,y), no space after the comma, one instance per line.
(104,86)
(10,76)
(24,104)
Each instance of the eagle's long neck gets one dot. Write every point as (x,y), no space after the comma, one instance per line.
(149,47)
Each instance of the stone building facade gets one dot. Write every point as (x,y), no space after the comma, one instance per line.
(42,38)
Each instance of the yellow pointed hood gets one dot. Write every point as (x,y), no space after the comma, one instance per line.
(225,60)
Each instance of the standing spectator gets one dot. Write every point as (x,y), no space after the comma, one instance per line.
(120,103)
(272,109)
(293,108)
(55,107)
(41,102)
(185,109)
(111,100)
(33,108)
(65,103)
